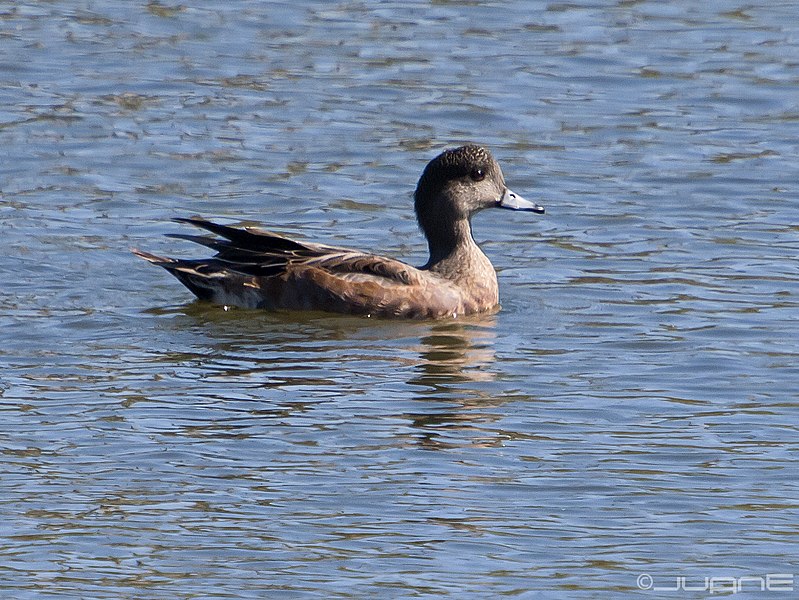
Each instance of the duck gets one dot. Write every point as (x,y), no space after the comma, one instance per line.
(257,269)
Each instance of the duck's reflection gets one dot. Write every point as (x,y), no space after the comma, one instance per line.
(456,352)
(456,367)
(441,376)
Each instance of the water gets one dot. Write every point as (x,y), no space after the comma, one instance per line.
(629,416)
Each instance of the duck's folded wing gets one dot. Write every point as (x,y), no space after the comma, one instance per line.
(263,253)
(251,251)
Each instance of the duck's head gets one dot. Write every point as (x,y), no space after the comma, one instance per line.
(458,183)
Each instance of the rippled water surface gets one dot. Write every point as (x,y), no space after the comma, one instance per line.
(628,418)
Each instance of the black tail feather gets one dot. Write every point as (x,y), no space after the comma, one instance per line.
(245,239)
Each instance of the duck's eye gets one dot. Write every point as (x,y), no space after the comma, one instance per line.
(477,175)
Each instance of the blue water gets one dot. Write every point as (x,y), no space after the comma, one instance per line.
(629,417)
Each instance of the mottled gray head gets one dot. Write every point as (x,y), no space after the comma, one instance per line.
(460,182)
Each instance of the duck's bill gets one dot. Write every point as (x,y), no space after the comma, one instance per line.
(513,201)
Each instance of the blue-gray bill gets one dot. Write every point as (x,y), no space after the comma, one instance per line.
(513,201)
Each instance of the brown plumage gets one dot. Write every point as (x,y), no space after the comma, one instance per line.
(253,268)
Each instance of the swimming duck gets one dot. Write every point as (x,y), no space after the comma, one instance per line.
(254,268)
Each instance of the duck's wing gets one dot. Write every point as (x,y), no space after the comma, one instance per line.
(250,264)
(254,251)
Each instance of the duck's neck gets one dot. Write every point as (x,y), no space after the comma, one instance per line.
(455,255)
